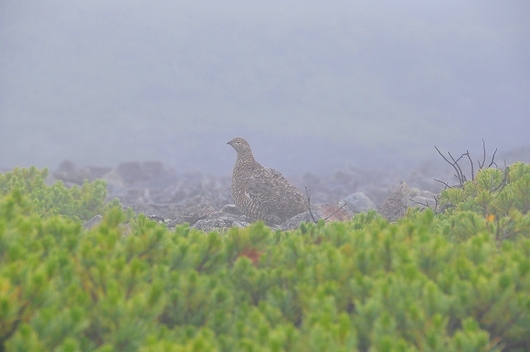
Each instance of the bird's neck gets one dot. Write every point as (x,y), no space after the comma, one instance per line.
(245,158)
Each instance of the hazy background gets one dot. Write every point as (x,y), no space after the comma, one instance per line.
(313,85)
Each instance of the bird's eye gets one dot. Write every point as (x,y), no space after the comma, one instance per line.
(238,142)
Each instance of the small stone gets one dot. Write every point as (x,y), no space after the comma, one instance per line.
(359,202)
(208,225)
(332,212)
(197,212)
(295,221)
(231,209)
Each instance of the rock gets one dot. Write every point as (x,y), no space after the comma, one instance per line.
(332,212)
(70,173)
(208,225)
(204,201)
(231,209)
(140,172)
(359,202)
(422,199)
(295,221)
(222,220)
(193,214)
(240,224)
(162,211)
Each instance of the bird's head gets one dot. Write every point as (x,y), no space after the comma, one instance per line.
(241,146)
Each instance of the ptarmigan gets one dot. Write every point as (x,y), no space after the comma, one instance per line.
(396,204)
(262,193)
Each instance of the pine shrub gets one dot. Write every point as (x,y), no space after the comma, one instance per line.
(496,201)
(427,283)
(79,203)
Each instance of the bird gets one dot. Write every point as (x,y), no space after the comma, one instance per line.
(262,193)
(396,204)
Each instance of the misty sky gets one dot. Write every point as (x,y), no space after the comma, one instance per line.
(312,85)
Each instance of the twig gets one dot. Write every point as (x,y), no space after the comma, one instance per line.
(426,204)
(454,164)
(460,175)
(436,203)
(493,160)
(447,160)
(308,196)
(457,168)
(481,165)
(444,183)
(471,163)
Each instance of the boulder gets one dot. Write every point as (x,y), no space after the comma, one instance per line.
(359,202)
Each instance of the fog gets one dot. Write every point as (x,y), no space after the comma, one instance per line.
(313,86)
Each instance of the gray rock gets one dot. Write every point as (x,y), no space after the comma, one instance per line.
(295,221)
(198,212)
(173,198)
(422,199)
(359,202)
(71,174)
(164,211)
(227,217)
(231,209)
(208,225)
(148,172)
(240,224)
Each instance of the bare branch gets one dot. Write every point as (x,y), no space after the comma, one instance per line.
(444,183)
(443,156)
(493,159)
(308,196)
(460,175)
(436,201)
(426,204)
(471,163)
(481,165)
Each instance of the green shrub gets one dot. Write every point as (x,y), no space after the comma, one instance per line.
(496,201)
(81,203)
(359,285)
(427,283)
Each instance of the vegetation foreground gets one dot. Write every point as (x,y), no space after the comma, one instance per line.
(451,280)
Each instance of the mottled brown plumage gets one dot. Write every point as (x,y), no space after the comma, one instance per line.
(397,203)
(262,193)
